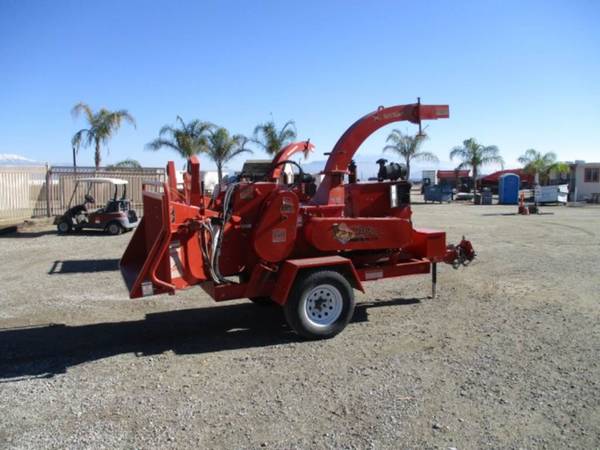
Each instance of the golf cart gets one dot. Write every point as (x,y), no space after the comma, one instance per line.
(115,217)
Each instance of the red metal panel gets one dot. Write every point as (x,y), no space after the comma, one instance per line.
(165,250)
(412,267)
(143,259)
(368,199)
(222,292)
(191,183)
(348,233)
(430,244)
(274,236)
(291,267)
(172,175)
(237,250)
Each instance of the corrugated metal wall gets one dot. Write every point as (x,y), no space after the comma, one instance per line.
(23,191)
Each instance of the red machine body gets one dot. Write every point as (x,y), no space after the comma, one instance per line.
(262,240)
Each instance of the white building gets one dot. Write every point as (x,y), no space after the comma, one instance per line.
(209,177)
(585,180)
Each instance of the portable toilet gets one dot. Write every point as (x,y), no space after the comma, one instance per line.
(508,189)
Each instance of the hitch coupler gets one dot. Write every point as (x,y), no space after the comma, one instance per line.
(461,254)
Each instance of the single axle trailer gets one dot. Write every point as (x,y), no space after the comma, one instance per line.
(303,247)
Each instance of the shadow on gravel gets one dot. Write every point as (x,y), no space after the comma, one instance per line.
(24,234)
(83,266)
(13,233)
(516,214)
(48,350)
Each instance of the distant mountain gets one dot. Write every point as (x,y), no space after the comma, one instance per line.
(12,159)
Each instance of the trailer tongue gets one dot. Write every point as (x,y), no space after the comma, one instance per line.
(274,242)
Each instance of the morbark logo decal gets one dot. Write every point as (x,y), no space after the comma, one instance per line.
(344,234)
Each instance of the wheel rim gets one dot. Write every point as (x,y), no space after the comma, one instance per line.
(323,305)
(113,229)
(63,226)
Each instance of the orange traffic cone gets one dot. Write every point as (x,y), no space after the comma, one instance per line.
(522,208)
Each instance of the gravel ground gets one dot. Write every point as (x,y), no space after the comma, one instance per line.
(507,355)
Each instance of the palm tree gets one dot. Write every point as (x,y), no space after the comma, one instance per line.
(103,124)
(187,140)
(541,165)
(271,139)
(125,164)
(222,147)
(475,155)
(407,147)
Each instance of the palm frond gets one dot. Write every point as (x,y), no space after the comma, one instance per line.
(233,153)
(181,122)
(287,133)
(459,152)
(167,129)
(125,164)
(271,139)
(550,158)
(157,144)
(493,159)
(187,139)
(473,155)
(406,146)
(82,137)
(426,156)
(560,167)
(103,124)
(536,163)
(395,136)
(529,156)
(83,107)
(124,115)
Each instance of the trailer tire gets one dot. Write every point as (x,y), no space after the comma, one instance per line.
(320,304)
(114,228)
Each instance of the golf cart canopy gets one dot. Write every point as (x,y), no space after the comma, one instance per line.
(115,181)
(89,183)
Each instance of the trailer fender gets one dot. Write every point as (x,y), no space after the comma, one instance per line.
(291,268)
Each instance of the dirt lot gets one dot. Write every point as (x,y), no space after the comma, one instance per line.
(507,356)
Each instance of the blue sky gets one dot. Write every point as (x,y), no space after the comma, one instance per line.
(516,74)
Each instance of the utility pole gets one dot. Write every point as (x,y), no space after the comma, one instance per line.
(74,159)
(48,191)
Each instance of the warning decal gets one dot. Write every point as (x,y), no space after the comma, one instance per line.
(279,235)
(175,260)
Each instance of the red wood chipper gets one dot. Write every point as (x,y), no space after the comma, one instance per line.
(302,247)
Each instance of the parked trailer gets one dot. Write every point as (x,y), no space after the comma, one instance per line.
(438,193)
(280,243)
(428,178)
(552,194)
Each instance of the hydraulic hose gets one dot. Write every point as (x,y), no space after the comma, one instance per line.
(216,232)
